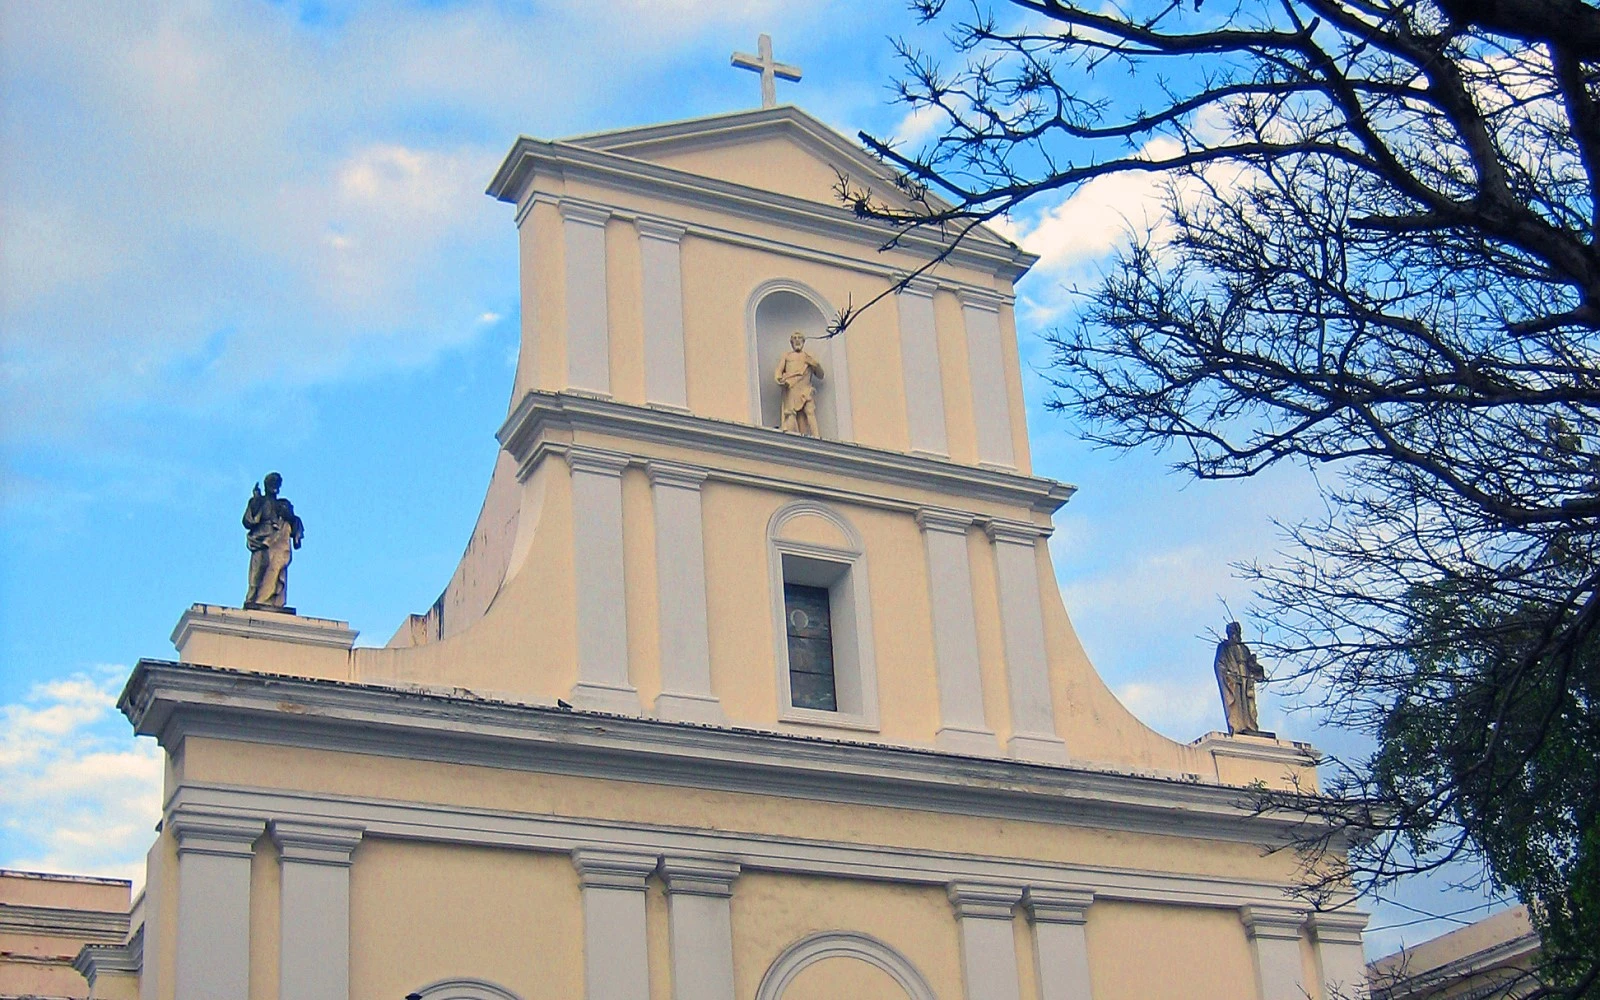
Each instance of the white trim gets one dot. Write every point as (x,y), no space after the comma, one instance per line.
(1274,933)
(984,914)
(616,958)
(683,629)
(661,292)
(991,395)
(462,989)
(542,416)
(850,597)
(588,336)
(213,927)
(1341,957)
(700,926)
(601,591)
(814,948)
(1060,942)
(835,388)
(273,626)
(921,369)
(314,908)
(173,701)
(962,726)
(1033,735)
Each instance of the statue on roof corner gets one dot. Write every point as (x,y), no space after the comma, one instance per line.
(273,532)
(794,373)
(1238,670)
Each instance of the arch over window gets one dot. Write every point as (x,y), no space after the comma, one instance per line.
(462,989)
(841,944)
(776,309)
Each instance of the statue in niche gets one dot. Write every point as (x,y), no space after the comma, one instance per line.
(794,374)
(273,532)
(1238,670)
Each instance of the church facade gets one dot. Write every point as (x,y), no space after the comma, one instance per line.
(710,710)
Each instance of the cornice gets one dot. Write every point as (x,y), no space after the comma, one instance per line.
(53,921)
(93,960)
(529,156)
(540,414)
(173,701)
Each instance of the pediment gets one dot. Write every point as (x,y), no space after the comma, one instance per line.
(783,150)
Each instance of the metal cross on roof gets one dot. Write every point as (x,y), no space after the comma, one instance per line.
(768,68)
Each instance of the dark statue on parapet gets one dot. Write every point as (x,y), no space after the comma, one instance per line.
(794,374)
(1238,671)
(273,532)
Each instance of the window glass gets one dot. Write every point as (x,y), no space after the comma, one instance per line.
(810,628)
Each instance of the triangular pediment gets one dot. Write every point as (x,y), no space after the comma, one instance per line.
(782,150)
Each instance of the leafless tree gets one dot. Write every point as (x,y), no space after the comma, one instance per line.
(1378,258)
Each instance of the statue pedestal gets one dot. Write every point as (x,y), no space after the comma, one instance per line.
(1244,758)
(274,640)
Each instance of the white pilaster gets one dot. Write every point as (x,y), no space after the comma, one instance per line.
(701,926)
(616,958)
(1060,946)
(1033,735)
(681,595)
(955,633)
(988,949)
(314,908)
(661,263)
(1274,934)
(213,940)
(602,613)
(1341,959)
(588,333)
(919,363)
(991,403)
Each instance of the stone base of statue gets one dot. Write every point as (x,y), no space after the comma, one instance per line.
(1238,755)
(254,638)
(277,609)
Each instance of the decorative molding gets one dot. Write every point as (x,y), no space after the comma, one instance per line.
(1026,533)
(699,876)
(984,902)
(596,461)
(56,921)
(981,299)
(216,834)
(315,843)
(660,229)
(609,869)
(1058,906)
(95,960)
(1337,926)
(540,415)
(1272,922)
(841,944)
(924,287)
(836,382)
(529,158)
(272,626)
(172,701)
(462,989)
(954,522)
(587,214)
(674,474)
(811,508)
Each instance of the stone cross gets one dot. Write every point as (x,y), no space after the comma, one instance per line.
(769,69)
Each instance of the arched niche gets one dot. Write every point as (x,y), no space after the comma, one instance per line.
(837,948)
(462,989)
(777,309)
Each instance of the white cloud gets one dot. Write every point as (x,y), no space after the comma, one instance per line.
(78,792)
(1181,708)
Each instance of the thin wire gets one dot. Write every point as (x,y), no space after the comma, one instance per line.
(1452,916)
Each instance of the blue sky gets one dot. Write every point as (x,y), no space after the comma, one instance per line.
(243,236)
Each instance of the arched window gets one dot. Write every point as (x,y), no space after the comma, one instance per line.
(462,989)
(777,309)
(822,618)
(841,944)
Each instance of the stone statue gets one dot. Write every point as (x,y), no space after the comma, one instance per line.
(273,532)
(794,373)
(1238,670)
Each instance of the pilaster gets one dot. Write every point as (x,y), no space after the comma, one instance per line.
(1033,735)
(661,273)
(962,727)
(701,925)
(1274,934)
(583,230)
(988,948)
(602,619)
(213,937)
(920,368)
(314,908)
(1341,960)
(616,958)
(1060,945)
(686,693)
(991,400)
